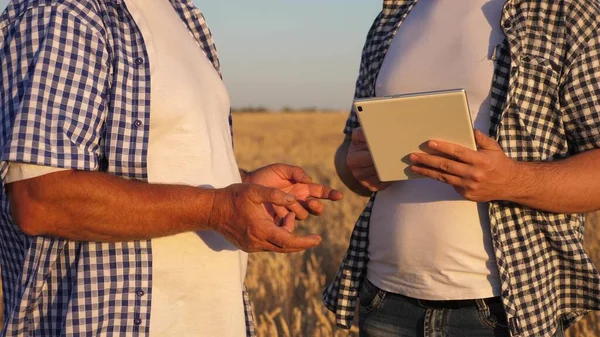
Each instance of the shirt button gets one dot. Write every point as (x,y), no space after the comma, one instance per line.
(140,292)
(137,123)
(137,321)
(139,61)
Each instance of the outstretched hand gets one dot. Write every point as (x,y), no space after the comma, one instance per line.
(238,213)
(293,180)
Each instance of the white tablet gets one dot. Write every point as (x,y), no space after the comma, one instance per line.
(397,126)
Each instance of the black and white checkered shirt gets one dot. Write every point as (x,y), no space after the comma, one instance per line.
(545,107)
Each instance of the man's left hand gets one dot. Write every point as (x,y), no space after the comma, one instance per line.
(293,180)
(481,176)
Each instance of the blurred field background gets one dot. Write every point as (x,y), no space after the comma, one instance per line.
(286,289)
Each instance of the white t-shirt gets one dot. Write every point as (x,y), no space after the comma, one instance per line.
(426,241)
(197,278)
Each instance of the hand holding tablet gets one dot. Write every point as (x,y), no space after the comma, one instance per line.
(395,127)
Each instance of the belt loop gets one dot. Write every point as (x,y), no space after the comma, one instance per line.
(513,324)
(481,305)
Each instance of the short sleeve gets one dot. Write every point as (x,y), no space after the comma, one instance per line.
(361,89)
(581,99)
(54,81)
(20,171)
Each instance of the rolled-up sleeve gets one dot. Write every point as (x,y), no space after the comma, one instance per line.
(55,71)
(581,98)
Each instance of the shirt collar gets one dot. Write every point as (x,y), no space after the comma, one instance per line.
(391,7)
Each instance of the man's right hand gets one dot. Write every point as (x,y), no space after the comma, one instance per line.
(239,214)
(360,163)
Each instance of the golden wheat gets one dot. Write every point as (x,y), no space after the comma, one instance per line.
(286,289)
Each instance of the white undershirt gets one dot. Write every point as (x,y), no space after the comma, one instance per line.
(426,241)
(197,278)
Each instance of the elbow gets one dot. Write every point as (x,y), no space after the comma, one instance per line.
(28,212)
(29,225)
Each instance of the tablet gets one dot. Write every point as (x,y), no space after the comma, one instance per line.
(396,126)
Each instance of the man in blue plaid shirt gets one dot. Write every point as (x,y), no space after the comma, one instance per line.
(123,209)
(491,244)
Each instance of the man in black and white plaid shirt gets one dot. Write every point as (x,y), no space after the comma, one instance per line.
(492,243)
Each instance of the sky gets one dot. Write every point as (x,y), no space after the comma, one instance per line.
(296,53)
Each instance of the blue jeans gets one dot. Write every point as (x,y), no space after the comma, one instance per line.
(384,314)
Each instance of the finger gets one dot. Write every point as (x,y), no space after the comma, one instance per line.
(301,212)
(270,195)
(280,211)
(355,147)
(364,172)
(324,192)
(358,136)
(336,195)
(283,239)
(359,159)
(438,175)
(484,142)
(294,173)
(288,222)
(269,247)
(314,206)
(457,152)
(442,164)
(373,184)
(368,178)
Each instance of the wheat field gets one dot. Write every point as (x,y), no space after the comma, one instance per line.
(286,289)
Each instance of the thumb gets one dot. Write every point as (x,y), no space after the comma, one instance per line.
(296,174)
(268,195)
(484,142)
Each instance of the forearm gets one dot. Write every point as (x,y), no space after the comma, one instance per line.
(94,206)
(344,172)
(566,186)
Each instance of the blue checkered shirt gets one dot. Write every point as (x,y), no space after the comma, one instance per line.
(545,106)
(75,93)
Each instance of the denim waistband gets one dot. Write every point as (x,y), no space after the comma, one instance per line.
(480,303)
